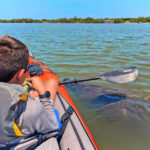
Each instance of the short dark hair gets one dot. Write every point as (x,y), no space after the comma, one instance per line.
(14,56)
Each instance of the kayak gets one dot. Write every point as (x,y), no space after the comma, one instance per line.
(76,135)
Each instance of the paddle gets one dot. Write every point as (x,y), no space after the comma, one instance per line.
(117,77)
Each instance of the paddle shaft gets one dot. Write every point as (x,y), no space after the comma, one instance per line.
(78,80)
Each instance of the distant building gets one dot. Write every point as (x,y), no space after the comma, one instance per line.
(108,21)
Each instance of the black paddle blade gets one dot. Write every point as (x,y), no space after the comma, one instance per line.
(121,76)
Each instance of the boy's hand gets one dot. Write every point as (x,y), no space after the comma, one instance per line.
(37,84)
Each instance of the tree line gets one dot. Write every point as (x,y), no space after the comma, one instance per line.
(79,20)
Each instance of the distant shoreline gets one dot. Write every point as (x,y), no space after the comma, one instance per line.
(69,23)
(139,20)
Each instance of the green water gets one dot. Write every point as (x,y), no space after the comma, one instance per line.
(84,50)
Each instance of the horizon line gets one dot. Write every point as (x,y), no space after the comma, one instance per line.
(78,17)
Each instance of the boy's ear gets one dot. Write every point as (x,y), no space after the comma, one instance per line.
(19,77)
(20,74)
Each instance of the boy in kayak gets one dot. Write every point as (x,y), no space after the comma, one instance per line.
(21,115)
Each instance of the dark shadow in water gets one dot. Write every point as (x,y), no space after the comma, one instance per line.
(96,96)
(107,99)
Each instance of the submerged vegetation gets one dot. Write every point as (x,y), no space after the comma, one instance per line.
(80,20)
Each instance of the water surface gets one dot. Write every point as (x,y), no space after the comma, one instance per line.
(84,50)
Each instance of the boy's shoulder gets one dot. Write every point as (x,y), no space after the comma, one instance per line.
(9,98)
(14,90)
(10,93)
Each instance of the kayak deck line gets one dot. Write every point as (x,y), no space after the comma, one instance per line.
(75,130)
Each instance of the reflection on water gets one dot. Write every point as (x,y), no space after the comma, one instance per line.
(84,50)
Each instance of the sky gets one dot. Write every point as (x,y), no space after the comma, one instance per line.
(53,9)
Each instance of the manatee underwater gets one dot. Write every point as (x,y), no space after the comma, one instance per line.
(117,115)
(103,97)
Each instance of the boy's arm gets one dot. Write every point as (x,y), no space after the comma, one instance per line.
(47,117)
(37,117)
(39,114)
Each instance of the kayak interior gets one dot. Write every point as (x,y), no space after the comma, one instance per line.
(75,136)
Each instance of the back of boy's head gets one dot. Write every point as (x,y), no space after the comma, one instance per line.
(14,56)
